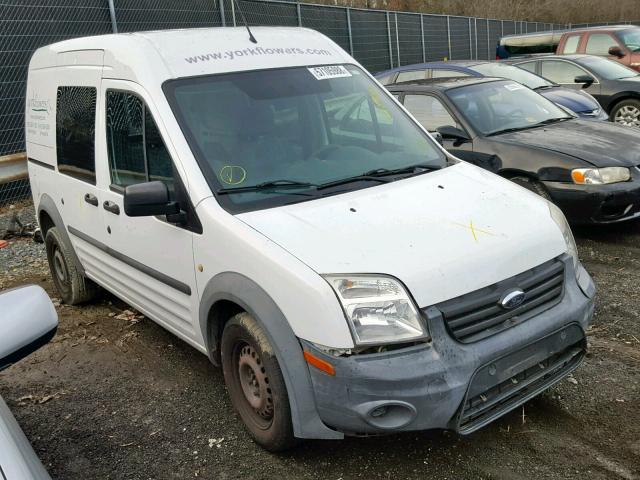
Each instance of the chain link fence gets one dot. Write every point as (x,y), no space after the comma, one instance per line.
(378,39)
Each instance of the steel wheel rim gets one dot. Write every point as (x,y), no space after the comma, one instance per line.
(60,267)
(254,385)
(628,115)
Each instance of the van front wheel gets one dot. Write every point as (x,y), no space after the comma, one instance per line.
(71,285)
(255,383)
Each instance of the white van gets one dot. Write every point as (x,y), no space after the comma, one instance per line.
(272,205)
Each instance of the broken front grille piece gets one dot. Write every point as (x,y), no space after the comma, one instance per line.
(478,314)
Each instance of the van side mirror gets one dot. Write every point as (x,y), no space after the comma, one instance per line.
(453,133)
(148,199)
(616,51)
(28,321)
(586,80)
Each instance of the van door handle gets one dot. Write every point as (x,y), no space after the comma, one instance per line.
(92,199)
(111,207)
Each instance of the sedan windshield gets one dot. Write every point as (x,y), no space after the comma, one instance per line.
(500,107)
(631,39)
(510,72)
(272,137)
(605,68)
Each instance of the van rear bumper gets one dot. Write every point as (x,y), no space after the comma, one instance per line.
(450,385)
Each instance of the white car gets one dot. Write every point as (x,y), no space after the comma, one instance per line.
(272,205)
(27,322)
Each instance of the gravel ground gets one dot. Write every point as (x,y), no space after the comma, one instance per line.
(116,396)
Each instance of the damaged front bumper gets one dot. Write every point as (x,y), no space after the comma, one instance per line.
(447,384)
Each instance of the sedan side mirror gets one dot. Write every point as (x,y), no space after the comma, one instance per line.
(28,322)
(453,133)
(148,199)
(616,51)
(586,80)
(437,136)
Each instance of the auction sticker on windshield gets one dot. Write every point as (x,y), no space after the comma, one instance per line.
(329,71)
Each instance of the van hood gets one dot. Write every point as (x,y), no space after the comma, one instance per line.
(602,144)
(575,100)
(443,234)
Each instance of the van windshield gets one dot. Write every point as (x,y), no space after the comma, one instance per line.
(273,137)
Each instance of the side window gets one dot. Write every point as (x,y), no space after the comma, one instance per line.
(411,75)
(386,80)
(571,45)
(75,132)
(429,111)
(528,66)
(446,73)
(599,44)
(560,72)
(135,148)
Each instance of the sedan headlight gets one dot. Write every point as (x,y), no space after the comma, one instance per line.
(600,176)
(563,225)
(378,309)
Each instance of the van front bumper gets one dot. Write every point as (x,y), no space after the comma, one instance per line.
(450,385)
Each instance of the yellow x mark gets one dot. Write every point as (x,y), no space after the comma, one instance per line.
(474,230)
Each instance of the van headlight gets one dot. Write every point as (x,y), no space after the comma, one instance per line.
(378,309)
(563,225)
(600,176)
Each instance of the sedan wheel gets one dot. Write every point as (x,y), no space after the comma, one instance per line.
(627,113)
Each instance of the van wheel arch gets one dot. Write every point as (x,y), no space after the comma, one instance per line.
(231,291)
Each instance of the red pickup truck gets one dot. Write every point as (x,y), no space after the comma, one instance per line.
(620,43)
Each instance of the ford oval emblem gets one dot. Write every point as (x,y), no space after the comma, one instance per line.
(512,299)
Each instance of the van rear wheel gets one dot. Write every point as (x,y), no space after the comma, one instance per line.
(71,285)
(255,383)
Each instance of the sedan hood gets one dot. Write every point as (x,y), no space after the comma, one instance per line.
(602,144)
(443,234)
(575,100)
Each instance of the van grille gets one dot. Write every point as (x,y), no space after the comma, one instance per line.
(478,315)
(512,392)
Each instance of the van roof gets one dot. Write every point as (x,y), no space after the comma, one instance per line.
(165,54)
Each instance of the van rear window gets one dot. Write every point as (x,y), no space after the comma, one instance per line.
(75,132)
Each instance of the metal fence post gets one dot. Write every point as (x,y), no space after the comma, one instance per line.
(389,40)
(233,12)
(424,51)
(470,42)
(449,36)
(488,42)
(112,14)
(395,15)
(475,28)
(222,12)
(299,12)
(501,28)
(349,30)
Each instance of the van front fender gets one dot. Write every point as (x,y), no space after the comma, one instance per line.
(244,292)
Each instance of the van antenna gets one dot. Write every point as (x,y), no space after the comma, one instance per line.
(244,20)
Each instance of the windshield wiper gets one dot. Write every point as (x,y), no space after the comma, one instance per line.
(548,121)
(270,186)
(378,174)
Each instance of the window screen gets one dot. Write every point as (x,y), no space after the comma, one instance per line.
(75,132)
(135,148)
(560,72)
(528,66)
(571,45)
(599,44)
(429,111)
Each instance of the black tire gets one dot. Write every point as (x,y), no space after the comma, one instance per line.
(532,185)
(255,383)
(71,285)
(626,112)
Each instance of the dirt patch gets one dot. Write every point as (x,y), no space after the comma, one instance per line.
(116,396)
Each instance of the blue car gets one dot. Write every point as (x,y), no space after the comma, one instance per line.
(579,102)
